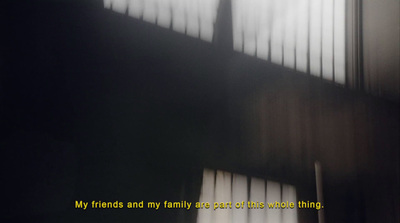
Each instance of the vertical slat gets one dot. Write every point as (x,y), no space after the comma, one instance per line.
(302,35)
(239,194)
(290,33)
(318,182)
(237,17)
(289,194)
(107,4)
(273,195)
(327,39)
(277,32)
(250,20)
(119,6)
(178,15)
(208,15)
(207,195)
(339,41)
(192,12)
(135,8)
(164,13)
(315,37)
(223,193)
(150,11)
(257,194)
(264,30)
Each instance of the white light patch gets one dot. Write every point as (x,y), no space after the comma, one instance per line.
(302,36)
(178,16)
(206,195)
(136,8)
(250,25)
(223,187)
(119,6)
(306,35)
(327,39)
(264,32)
(238,201)
(107,4)
(273,195)
(277,31)
(289,43)
(237,24)
(208,15)
(315,37)
(239,195)
(339,41)
(257,195)
(289,194)
(193,19)
(164,13)
(150,11)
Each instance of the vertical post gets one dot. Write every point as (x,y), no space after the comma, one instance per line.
(318,181)
(354,45)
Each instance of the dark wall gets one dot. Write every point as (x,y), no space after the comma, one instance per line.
(99,106)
